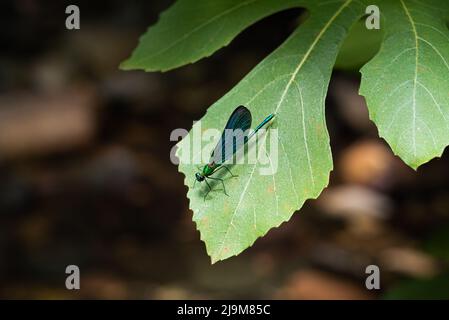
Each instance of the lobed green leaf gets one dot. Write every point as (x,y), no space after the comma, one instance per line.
(193,29)
(406,85)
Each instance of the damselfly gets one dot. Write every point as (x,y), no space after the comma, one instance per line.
(234,136)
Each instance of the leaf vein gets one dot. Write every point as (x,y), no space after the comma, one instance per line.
(436,51)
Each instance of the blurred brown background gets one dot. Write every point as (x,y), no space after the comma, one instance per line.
(86,177)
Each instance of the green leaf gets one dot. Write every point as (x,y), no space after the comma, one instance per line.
(292,83)
(406,85)
(193,29)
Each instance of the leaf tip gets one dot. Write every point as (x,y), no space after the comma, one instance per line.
(126,65)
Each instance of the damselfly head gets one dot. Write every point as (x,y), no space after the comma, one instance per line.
(199,177)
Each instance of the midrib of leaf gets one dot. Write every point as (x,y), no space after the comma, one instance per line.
(196,29)
(415,34)
(278,106)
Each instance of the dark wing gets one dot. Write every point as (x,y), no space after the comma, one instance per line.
(233,136)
